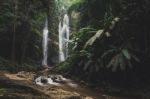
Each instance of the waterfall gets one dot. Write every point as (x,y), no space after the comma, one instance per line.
(63,38)
(45,43)
(63,28)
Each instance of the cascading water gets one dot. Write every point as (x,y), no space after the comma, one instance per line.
(45,42)
(63,38)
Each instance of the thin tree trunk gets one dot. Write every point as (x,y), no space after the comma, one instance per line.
(14,33)
(27,34)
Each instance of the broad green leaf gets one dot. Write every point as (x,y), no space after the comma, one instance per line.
(126,54)
(87,65)
(110,63)
(107,34)
(115,64)
(93,38)
(135,58)
(122,62)
(108,52)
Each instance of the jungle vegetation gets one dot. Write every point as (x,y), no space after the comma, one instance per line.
(110,38)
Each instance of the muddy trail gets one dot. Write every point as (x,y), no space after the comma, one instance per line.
(22,86)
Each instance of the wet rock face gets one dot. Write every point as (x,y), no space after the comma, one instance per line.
(50,79)
(57,78)
(44,80)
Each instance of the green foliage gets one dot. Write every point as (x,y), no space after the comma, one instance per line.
(21,28)
(68,65)
(6,65)
(93,38)
(68,3)
(79,38)
(119,58)
(114,42)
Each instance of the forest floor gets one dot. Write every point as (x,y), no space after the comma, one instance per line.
(22,86)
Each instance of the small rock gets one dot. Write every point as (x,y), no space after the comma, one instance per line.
(88,98)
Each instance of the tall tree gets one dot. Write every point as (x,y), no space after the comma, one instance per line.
(14,31)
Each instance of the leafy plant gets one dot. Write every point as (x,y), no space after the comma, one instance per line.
(79,38)
(119,58)
(94,38)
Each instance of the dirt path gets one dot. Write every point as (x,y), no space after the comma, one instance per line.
(22,86)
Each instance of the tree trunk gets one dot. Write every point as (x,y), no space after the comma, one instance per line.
(14,32)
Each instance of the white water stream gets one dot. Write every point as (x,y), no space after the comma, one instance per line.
(45,42)
(63,38)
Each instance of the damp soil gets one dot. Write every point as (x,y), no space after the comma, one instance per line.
(22,86)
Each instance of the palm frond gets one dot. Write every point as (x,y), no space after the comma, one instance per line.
(87,65)
(122,62)
(126,54)
(108,52)
(93,38)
